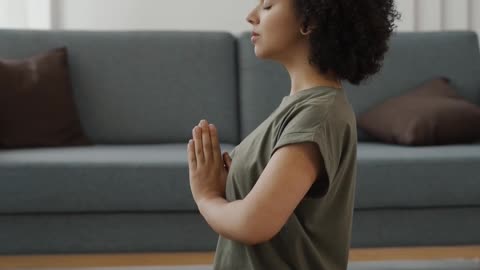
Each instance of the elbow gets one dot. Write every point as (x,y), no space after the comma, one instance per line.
(254,227)
(250,235)
(257,235)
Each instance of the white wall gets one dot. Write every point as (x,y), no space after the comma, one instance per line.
(32,14)
(12,14)
(433,15)
(226,15)
(222,15)
(229,15)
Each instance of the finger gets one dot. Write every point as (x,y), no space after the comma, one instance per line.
(207,144)
(226,159)
(198,145)
(215,143)
(192,162)
(229,160)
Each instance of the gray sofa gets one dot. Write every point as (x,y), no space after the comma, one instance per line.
(139,94)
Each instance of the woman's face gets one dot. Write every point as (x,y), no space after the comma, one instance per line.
(278,28)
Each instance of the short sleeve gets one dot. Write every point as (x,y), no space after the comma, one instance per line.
(308,126)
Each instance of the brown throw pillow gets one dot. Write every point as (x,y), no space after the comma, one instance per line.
(431,114)
(36,103)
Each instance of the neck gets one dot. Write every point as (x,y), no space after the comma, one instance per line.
(304,75)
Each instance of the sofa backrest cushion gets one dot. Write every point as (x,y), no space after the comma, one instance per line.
(416,57)
(413,58)
(143,87)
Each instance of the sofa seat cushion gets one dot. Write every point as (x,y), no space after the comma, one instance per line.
(96,178)
(423,176)
(113,178)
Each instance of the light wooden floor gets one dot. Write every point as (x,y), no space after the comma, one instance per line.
(150,259)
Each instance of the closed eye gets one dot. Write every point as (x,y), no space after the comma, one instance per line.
(267,8)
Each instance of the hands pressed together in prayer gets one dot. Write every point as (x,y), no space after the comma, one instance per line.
(208,168)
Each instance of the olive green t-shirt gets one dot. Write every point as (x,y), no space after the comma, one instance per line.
(317,234)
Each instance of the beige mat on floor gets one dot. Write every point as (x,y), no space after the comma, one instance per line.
(451,264)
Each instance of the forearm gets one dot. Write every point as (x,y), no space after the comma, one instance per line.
(228,219)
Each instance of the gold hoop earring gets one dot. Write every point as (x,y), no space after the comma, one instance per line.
(303,32)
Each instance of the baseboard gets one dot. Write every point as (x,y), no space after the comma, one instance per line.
(191,258)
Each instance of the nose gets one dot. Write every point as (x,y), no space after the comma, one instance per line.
(252,18)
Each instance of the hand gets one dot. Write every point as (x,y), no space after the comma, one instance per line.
(208,172)
(227,160)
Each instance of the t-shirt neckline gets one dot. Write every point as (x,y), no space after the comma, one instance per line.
(307,91)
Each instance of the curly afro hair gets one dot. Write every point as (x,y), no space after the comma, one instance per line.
(349,37)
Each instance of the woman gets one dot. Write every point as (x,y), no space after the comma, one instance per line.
(285,197)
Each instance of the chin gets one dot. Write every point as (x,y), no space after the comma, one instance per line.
(261,53)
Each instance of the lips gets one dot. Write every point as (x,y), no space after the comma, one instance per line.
(254,37)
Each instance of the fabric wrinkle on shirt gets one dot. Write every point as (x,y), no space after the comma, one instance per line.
(318,233)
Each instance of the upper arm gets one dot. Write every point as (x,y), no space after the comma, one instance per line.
(284,182)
